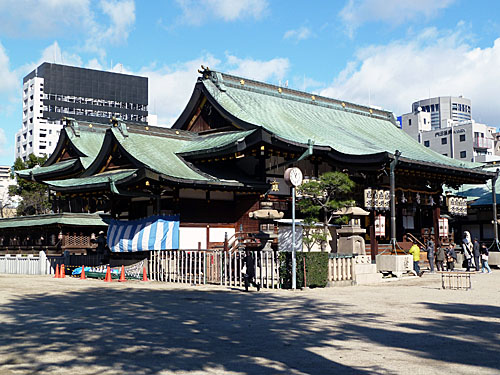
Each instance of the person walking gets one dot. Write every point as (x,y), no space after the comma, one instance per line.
(430,255)
(467,246)
(476,253)
(249,271)
(451,257)
(440,257)
(484,257)
(415,251)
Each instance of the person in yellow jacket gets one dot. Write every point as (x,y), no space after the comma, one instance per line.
(415,251)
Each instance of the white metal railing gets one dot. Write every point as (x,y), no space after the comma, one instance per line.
(25,265)
(213,267)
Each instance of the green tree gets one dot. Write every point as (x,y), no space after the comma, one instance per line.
(34,197)
(321,198)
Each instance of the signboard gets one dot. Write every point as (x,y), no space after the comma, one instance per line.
(443,227)
(380,226)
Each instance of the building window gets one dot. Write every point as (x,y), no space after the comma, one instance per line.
(463,154)
(462,137)
(427,143)
(409,122)
(444,141)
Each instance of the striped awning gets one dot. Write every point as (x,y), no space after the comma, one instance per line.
(151,233)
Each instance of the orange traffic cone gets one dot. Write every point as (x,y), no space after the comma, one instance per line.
(108,275)
(144,274)
(62,274)
(82,275)
(57,275)
(122,274)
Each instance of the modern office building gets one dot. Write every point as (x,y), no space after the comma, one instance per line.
(52,92)
(444,108)
(442,125)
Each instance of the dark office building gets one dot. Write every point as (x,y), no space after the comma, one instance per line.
(91,95)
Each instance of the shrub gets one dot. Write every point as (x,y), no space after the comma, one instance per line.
(316,269)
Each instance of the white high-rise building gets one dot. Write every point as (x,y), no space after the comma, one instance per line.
(38,135)
(52,92)
(444,124)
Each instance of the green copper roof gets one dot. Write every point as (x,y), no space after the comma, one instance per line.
(88,141)
(159,153)
(101,178)
(53,219)
(298,117)
(39,171)
(214,141)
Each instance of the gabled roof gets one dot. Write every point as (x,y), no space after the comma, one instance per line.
(71,219)
(297,117)
(39,173)
(157,150)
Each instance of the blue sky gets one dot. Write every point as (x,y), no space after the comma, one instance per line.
(386,53)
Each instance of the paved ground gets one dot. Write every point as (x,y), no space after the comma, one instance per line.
(71,326)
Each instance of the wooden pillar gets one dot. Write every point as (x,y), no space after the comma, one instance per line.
(437,215)
(373,238)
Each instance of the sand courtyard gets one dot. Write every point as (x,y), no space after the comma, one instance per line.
(412,326)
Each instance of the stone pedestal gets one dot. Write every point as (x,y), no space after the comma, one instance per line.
(396,264)
(350,240)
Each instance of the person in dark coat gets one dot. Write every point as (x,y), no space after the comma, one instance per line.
(451,257)
(249,273)
(430,254)
(476,253)
(440,257)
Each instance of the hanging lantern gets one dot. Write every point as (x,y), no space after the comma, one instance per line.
(368,198)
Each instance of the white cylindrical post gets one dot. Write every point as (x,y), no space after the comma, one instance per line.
(294,262)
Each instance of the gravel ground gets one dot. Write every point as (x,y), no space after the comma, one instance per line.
(71,326)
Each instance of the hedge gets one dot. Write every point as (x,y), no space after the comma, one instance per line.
(316,269)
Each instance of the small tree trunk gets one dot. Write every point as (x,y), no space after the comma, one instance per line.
(325,229)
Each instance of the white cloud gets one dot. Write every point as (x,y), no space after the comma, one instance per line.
(170,87)
(299,34)
(8,77)
(274,69)
(197,11)
(96,22)
(435,64)
(53,53)
(43,17)
(121,15)
(358,12)
(5,147)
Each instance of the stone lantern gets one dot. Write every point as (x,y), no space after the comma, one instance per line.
(350,240)
(266,216)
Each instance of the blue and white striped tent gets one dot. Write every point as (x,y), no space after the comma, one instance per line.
(151,233)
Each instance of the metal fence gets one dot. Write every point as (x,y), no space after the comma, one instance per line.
(25,265)
(42,264)
(213,267)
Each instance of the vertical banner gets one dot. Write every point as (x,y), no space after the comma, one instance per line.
(380,226)
(443,227)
